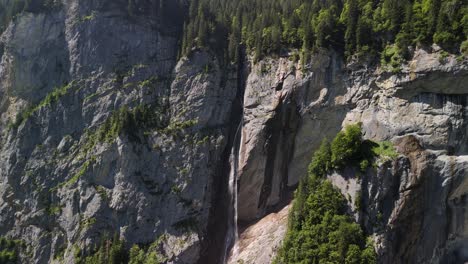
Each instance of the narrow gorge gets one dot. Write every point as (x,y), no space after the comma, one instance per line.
(112,136)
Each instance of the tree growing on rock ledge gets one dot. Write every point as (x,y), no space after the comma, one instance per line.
(320,230)
(346,147)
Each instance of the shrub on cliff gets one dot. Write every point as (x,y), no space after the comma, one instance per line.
(346,147)
(9,250)
(349,149)
(322,160)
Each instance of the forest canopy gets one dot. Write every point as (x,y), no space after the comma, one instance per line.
(349,26)
(265,27)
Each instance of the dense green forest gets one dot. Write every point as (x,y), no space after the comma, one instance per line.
(349,26)
(272,26)
(319,230)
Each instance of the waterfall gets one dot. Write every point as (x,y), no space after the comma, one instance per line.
(232,232)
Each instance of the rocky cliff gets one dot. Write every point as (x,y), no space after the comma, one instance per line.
(413,204)
(106,132)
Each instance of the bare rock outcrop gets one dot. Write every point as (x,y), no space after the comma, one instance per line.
(259,242)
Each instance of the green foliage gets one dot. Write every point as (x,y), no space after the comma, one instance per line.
(177,126)
(385,149)
(266,27)
(319,230)
(60,253)
(54,209)
(450,28)
(353,256)
(392,58)
(102,192)
(147,255)
(322,160)
(121,122)
(464,48)
(87,223)
(50,99)
(9,250)
(55,95)
(111,251)
(89,17)
(84,168)
(363,165)
(137,255)
(368,255)
(346,147)
(148,82)
(128,122)
(349,149)
(358,201)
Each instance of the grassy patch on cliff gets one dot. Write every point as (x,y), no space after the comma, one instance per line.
(9,250)
(126,121)
(385,149)
(83,169)
(50,99)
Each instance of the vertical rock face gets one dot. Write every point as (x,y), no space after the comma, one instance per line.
(105,132)
(78,161)
(35,56)
(413,205)
(287,112)
(410,206)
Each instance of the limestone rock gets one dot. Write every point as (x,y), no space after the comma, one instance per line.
(259,242)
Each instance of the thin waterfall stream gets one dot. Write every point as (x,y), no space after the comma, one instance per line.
(232,233)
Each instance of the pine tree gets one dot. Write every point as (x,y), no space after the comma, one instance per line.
(350,19)
(350,26)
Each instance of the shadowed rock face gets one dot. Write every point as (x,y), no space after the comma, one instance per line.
(63,184)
